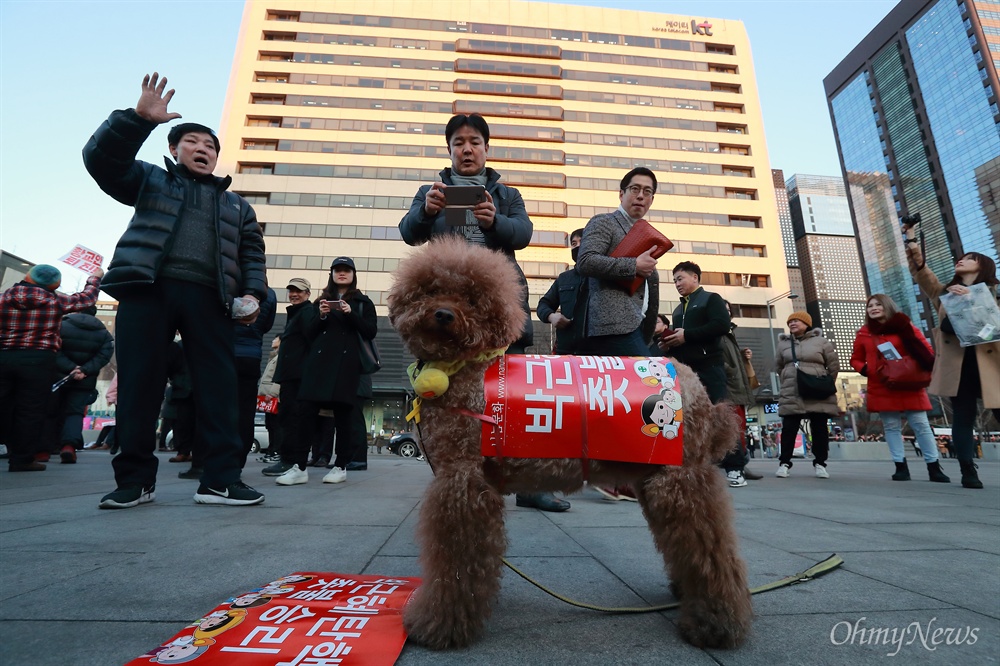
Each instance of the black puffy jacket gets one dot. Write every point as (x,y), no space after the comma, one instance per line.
(158,198)
(85,343)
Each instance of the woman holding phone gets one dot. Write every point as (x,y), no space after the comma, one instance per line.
(333,368)
(964,374)
(886,325)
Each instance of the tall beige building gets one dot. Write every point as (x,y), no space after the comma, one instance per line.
(336,115)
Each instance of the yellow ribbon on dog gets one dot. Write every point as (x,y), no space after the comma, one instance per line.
(429,379)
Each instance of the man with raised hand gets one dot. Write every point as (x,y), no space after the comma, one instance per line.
(191,254)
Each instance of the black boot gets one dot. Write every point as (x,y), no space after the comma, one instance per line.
(970,479)
(902,472)
(936,474)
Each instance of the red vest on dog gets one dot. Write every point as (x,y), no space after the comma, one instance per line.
(619,408)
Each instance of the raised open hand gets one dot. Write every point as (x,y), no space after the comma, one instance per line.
(152,104)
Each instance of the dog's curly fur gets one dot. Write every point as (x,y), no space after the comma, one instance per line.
(450,301)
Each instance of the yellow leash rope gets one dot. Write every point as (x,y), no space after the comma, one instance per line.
(813,572)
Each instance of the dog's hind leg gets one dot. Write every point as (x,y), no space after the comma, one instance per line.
(690,515)
(462,544)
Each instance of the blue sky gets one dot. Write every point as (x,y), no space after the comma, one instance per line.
(64,66)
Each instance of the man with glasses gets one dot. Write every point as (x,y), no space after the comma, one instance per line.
(619,324)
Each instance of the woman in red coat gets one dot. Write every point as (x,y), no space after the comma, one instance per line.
(885,324)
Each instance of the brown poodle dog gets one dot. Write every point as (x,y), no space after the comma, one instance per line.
(452,301)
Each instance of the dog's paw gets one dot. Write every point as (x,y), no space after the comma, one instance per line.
(715,625)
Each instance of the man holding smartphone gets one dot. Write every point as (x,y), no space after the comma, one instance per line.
(499,222)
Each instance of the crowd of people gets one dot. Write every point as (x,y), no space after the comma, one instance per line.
(195,305)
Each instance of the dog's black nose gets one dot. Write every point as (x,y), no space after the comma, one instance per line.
(444,317)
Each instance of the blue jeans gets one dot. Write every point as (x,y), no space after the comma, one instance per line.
(892,424)
(627,344)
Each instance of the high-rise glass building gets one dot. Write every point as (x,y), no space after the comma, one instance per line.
(335,115)
(833,282)
(915,115)
(795,283)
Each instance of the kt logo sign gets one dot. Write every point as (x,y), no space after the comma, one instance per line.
(703,28)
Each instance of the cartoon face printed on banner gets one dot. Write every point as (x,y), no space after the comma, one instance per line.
(655,372)
(275,590)
(661,413)
(289,580)
(250,600)
(212,625)
(178,651)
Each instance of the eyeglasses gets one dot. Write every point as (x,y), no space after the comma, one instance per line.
(635,190)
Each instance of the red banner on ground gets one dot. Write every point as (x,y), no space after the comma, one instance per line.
(303,619)
(618,408)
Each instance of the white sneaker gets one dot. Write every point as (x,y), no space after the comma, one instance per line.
(821,472)
(782,472)
(335,475)
(293,477)
(736,479)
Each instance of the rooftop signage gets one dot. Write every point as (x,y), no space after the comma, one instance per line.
(692,27)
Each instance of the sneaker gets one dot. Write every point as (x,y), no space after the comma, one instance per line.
(782,472)
(821,472)
(126,498)
(293,477)
(43,457)
(235,494)
(68,455)
(609,493)
(736,479)
(750,475)
(626,493)
(335,475)
(277,469)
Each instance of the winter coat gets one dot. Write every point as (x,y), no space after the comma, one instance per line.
(816,356)
(294,342)
(248,339)
(158,197)
(562,297)
(738,382)
(866,359)
(267,384)
(511,229)
(332,371)
(611,310)
(949,354)
(85,343)
(705,321)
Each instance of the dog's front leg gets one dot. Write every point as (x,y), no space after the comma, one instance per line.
(462,541)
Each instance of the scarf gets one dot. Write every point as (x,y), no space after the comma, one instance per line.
(478,179)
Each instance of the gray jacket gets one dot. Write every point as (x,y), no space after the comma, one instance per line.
(611,310)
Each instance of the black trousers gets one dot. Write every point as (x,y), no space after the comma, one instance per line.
(146,322)
(965,408)
(25,390)
(247,376)
(297,451)
(64,423)
(298,423)
(820,437)
(184,425)
(359,434)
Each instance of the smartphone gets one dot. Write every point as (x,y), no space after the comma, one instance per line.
(458,199)
(464,196)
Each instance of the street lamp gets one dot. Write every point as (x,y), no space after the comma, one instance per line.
(770,334)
